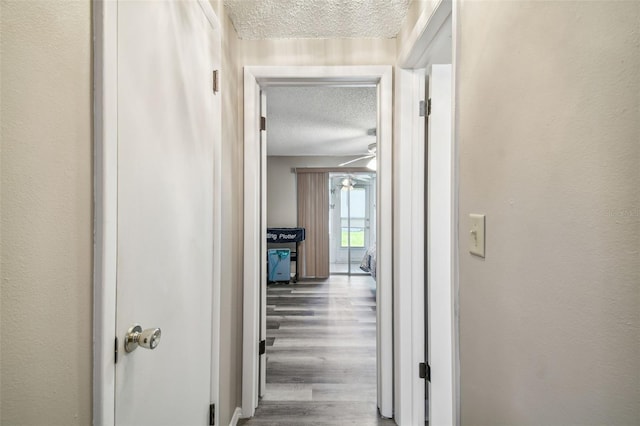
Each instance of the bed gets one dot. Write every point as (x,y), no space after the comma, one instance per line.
(369,262)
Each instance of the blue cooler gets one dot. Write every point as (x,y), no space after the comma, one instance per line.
(279,265)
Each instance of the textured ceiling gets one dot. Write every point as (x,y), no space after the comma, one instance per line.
(320,120)
(264,19)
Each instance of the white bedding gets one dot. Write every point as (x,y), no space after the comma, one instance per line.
(369,262)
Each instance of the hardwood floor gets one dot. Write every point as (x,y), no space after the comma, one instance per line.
(321,354)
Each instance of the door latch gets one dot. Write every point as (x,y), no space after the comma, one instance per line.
(148,339)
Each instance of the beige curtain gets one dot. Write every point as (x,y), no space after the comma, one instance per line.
(313,215)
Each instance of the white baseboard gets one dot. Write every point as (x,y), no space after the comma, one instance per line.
(236,416)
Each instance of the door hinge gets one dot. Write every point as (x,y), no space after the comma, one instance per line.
(263,123)
(263,347)
(424,371)
(212,414)
(216,81)
(425,108)
(115,352)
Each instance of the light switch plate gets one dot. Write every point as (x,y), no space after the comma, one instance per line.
(476,234)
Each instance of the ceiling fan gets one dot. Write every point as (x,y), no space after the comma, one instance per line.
(372,154)
(348,181)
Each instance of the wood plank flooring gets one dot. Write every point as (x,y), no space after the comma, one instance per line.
(321,354)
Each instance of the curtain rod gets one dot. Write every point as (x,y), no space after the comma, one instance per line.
(331,170)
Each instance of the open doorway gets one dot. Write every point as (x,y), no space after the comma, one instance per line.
(352,222)
(320,176)
(320,333)
(258,81)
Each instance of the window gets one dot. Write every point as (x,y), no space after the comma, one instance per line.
(353,206)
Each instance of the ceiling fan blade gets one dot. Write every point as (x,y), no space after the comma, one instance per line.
(357,159)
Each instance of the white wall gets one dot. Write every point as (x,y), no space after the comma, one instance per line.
(549,149)
(46,244)
(318,52)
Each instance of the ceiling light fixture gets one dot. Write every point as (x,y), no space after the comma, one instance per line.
(372,164)
(347,184)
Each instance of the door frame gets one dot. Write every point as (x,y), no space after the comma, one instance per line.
(255,78)
(422,48)
(337,231)
(105,204)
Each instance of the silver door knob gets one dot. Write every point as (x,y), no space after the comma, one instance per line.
(148,339)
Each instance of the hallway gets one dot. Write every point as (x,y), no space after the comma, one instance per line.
(321,354)
(544,147)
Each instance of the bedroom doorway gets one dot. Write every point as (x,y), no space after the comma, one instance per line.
(352,221)
(257,80)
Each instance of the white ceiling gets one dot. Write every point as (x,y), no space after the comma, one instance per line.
(320,120)
(265,19)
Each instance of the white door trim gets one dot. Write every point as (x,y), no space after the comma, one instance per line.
(254,79)
(425,43)
(217,223)
(409,229)
(105,21)
(440,231)
(426,37)
(455,248)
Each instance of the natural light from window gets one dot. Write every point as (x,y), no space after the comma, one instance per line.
(357,211)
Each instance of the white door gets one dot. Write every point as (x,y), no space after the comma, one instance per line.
(439,246)
(262,385)
(167,51)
